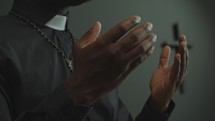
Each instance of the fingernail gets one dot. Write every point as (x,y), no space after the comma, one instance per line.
(146,46)
(95,24)
(182,39)
(185,39)
(150,26)
(151,50)
(137,19)
(154,39)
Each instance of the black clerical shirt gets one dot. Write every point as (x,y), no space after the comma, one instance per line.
(32,75)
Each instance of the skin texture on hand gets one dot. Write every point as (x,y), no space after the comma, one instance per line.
(166,79)
(103,63)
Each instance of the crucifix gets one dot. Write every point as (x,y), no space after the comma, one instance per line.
(174,45)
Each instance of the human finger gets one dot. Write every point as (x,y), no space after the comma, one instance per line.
(184,55)
(140,59)
(146,55)
(134,37)
(132,66)
(140,49)
(176,68)
(91,35)
(164,57)
(117,31)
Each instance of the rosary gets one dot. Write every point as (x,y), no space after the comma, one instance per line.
(69,61)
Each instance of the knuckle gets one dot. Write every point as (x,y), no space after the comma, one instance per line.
(151,36)
(122,28)
(112,54)
(111,50)
(144,47)
(115,37)
(115,56)
(134,36)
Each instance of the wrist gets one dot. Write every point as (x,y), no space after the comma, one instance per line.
(77,93)
(158,105)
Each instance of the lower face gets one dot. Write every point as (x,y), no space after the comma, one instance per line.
(76,2)
(64,3)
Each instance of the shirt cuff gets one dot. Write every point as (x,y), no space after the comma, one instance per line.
(149,114)
(60,106)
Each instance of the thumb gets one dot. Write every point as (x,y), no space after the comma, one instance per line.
(91,35)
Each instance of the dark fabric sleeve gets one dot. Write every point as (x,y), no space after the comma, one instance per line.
(5,114)
(147,114)
(57,106)
(123,113)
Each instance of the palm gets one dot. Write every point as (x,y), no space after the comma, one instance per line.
(161,84)
(166,79)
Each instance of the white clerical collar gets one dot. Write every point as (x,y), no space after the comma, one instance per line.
(58,22)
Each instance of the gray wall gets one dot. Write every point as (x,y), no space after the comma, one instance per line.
(195,19)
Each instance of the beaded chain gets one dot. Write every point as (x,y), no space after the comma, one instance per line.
(68,60)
